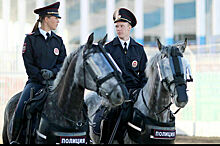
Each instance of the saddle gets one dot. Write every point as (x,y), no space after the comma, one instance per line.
(35,105)
(32,111)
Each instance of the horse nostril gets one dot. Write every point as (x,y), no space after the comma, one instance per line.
(119,98)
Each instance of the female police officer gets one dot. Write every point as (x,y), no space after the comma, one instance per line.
(43,54)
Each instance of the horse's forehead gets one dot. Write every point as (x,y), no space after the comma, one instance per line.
(168,49)
(179,45)
(172,47)
(94,49)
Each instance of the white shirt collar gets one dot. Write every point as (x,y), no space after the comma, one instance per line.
(122,42)
(43,32)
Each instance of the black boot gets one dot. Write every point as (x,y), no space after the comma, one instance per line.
(108,125)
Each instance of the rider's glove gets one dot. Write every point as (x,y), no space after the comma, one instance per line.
(47,74)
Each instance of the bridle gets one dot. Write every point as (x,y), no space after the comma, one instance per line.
(158,113)
(178,77)
(99,81)
(177,70)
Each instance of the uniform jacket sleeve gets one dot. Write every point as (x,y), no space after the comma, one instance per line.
(60,59)
(32,70)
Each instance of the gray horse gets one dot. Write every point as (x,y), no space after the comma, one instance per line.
(62,114)
(152,120)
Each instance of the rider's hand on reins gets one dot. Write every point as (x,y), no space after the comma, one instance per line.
(47,74)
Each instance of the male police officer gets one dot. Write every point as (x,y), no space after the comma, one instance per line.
(43,54)
(131,59)
(127,53)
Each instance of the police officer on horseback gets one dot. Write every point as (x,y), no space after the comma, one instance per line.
(129,56)
(43,54)
(127,53)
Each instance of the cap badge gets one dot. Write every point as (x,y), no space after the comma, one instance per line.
(118,17)
(56,51)
(134,64)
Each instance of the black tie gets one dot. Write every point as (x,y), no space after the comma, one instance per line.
(48,36)
(125,48)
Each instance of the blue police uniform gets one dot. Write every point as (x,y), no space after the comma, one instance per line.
(132,63)
(38,54)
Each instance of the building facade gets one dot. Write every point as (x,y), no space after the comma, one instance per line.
(169,20)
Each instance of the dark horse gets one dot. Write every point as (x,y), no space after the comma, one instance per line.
(62,116)
(151,119)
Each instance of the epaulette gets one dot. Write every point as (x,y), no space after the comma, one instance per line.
(58,36)
(30,33)
(107,43)
(139,44)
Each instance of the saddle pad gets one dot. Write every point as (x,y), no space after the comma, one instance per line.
(163,134)
(70,138)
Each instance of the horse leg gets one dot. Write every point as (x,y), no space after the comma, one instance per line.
(9,110)
(5,134)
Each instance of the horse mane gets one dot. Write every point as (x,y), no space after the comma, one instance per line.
(151,72)
(64,67)
(152,64)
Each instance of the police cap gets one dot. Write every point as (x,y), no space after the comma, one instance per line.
(49,10)
(124,15)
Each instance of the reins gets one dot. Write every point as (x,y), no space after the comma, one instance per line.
(164,107)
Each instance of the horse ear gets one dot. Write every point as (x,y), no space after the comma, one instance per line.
(90,40)
(160,46)
(184,46)
(185,42)
(102,42)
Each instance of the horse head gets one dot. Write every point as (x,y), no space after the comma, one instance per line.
(172,69)
(98,72)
